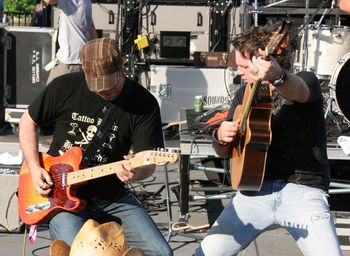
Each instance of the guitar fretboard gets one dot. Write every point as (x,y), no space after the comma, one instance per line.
(101,170)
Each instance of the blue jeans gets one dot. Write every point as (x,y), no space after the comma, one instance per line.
(303,211)
(140,229)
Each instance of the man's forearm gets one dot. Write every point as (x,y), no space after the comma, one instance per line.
(28,139)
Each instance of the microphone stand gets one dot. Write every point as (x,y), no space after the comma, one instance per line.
(307,20)
(243,16)
(255,13)
(306,29)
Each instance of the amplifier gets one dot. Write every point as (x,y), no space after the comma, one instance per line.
(175,44)
(214,59)
(300,3)
(29,50)
(9,217)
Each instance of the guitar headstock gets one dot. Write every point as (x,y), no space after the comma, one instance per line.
(279,39)
(161,157)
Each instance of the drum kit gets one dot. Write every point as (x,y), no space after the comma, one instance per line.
(327,54)
(325,50)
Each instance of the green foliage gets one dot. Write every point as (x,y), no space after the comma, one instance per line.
(21,6)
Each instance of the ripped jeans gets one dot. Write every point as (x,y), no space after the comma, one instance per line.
(302,210)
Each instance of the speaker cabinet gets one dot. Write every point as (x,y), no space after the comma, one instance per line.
(29,50)
(9,216)
(3,37)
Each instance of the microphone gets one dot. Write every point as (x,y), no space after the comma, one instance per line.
(209,112)
(200,117)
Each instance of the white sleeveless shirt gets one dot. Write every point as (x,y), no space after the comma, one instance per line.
(74,29)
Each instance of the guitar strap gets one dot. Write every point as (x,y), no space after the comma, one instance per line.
(112,115)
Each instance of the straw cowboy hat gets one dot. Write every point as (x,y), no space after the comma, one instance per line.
(93,239)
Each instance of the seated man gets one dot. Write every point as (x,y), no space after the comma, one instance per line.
(77,103)
(293,194)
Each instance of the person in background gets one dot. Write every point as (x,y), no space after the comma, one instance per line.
(1,10)
(344,5)
(76,28)
(37,16)
(293,194)
(77,103)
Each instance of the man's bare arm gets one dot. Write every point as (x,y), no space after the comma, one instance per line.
(28,139)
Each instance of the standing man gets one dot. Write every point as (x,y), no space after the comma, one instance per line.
(297,175)
(76,104)
(76,28)
(1,10)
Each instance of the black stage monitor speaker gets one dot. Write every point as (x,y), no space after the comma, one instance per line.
(29,50)
(3,38)
(175,44)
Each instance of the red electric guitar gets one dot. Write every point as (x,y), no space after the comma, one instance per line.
(65,174)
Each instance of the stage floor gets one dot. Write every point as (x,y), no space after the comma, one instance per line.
(183,243)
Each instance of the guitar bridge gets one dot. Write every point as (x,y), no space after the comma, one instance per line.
(64,180)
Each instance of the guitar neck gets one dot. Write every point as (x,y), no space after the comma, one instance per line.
(101,171)
(248,106)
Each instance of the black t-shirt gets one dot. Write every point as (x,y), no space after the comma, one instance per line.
(77,113)
(298,149)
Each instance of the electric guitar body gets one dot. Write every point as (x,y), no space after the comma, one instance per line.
(66,175)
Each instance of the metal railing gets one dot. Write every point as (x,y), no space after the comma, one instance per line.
(17,18)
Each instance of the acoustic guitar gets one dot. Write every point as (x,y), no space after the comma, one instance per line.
(249,150)
(65,174)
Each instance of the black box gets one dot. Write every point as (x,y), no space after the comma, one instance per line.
(29,50)
(3,38)
(175,44)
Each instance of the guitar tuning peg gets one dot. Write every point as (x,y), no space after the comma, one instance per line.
(177,151)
